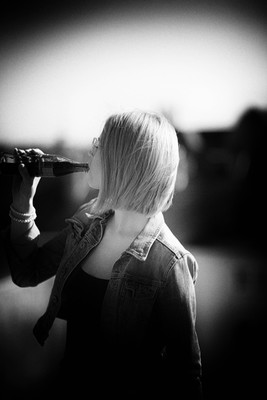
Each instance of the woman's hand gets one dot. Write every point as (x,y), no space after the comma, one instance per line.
(24,186)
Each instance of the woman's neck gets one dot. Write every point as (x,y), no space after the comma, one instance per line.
(127,223)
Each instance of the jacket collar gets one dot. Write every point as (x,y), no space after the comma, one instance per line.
(142,244)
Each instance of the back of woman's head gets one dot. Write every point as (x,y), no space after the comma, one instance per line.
(139,155)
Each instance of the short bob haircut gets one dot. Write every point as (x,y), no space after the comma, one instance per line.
(139,156)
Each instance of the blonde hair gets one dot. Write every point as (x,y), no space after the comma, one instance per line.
(140,156)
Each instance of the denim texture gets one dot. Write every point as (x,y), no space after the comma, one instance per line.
(155,273)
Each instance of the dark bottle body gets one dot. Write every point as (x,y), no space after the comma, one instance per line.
(44,165)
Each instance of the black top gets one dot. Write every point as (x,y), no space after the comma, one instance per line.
(82,299)
(89,364)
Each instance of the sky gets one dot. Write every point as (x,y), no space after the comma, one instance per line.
(66,66)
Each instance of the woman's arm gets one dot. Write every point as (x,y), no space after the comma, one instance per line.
(29,263)
(22,211)
(38,263)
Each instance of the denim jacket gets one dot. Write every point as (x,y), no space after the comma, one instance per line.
(155,270)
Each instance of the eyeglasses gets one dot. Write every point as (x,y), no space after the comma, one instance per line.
(95,145)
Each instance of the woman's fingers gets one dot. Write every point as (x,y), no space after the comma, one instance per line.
(20,153)
(34,151)
(23,156)
(24,173)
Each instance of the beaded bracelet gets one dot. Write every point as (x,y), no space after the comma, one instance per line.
(23,218)
(22,221)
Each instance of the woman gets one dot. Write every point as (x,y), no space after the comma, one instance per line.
(124,282)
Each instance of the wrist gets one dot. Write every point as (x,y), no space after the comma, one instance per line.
(23,207)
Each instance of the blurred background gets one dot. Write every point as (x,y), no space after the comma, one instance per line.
(65,66)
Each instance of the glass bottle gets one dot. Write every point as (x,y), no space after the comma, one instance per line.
(44,165)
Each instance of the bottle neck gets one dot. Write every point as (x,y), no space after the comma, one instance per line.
(64,168)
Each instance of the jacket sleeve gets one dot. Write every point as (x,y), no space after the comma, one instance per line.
(31,262)
(177,305)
